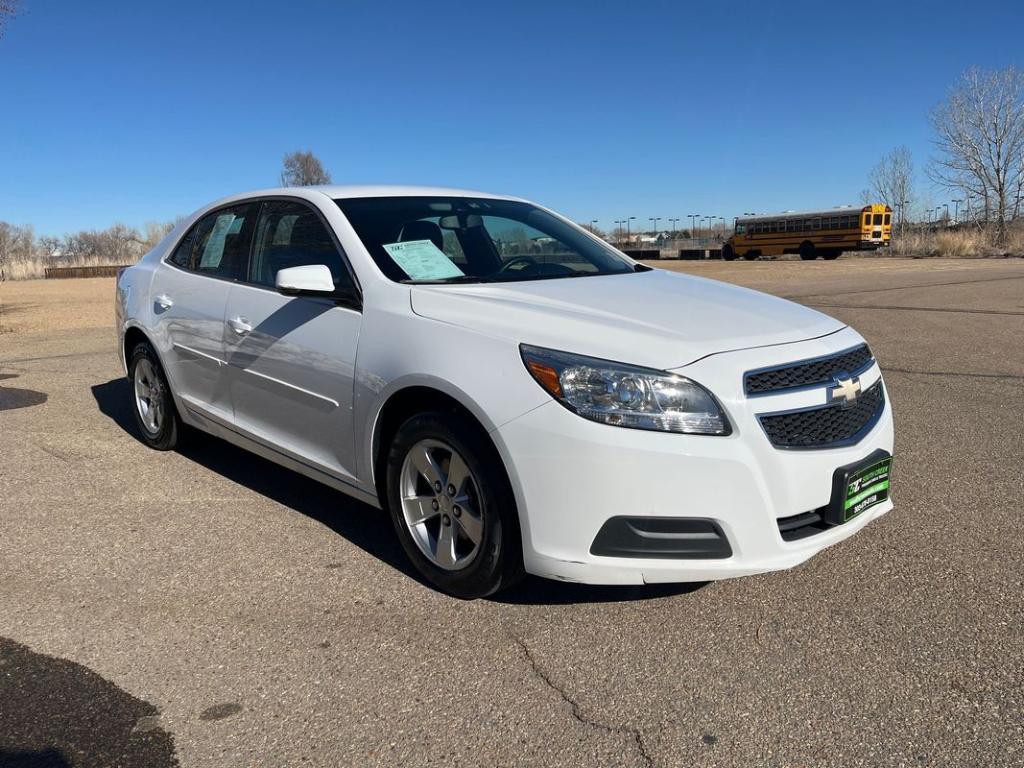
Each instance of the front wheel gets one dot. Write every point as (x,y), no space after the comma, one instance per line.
(452,506)
(728,254)
(807,252)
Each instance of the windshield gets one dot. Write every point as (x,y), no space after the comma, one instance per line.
(473,240)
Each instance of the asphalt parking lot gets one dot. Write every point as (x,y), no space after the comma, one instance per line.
(206,608)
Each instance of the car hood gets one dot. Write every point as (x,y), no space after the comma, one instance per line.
(657,319)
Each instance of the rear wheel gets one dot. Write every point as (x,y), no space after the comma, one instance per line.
(452,506)
(833,254)
(751,255)
(152,403)
(807,252)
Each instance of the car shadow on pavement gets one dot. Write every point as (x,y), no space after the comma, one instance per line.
(366,527)
(534,590)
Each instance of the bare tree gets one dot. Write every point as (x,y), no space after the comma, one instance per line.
(892,181)
(303,169)
(8,10)
(16,244)
(980,141)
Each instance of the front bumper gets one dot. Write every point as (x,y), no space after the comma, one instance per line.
(571,475)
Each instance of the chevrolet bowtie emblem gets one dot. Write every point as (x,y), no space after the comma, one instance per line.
(845,390)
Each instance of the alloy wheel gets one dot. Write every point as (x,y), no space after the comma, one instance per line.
(149,397)
(441,504)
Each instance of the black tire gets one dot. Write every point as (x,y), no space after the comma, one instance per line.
(728,254)
(807,252)
(169,427)
(497,562)
(833,254)
(751,255)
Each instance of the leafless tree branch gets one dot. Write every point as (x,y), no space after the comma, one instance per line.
(303,169)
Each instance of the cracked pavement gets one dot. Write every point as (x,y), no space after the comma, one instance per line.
(242,615)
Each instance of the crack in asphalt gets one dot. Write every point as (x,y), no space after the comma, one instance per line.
(577,713)
(1009,312)
(960,374)
(904,287)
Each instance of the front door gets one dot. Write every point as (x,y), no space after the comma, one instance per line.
(291,359)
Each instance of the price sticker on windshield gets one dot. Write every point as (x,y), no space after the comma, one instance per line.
(422,260)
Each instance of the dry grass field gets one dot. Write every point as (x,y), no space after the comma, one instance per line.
(28,306)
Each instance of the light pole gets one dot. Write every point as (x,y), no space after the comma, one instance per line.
(675,224)
(956,210)
(618,227)
(593,226)
(654,220)
(629,237)
(693,223)
(946,213)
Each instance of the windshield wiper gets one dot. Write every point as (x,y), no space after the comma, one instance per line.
(448,280)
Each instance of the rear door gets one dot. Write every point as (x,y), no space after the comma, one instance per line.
(190,292)
(291,359)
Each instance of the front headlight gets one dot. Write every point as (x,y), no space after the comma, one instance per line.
(625,395)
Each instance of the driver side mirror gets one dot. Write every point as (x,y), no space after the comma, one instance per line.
(308,280)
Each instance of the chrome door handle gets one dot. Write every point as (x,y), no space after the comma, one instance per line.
(239,325)
(164,301)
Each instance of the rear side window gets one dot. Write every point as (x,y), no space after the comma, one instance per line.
(290,234)
(218,244)
(183,253)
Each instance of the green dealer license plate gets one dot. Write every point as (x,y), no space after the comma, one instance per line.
(859,487)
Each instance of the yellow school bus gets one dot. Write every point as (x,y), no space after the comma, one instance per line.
(811,233)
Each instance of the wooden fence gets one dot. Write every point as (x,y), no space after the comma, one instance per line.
(58,273)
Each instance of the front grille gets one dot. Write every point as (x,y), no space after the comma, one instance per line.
(808,373)
(827,427)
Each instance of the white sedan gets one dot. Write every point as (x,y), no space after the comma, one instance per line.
(518,395)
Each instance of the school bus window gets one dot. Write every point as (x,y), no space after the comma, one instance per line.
(878,219)
(867,219)
(888,218)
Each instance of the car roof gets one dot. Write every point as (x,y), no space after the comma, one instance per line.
(337,192)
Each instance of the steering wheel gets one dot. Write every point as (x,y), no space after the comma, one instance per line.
(527,260)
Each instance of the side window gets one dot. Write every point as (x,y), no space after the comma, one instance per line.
(180,257)
(291,234)
(220,242)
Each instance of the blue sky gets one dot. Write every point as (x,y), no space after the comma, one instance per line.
(138,111)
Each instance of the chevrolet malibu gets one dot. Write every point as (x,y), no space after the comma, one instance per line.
(518,395)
